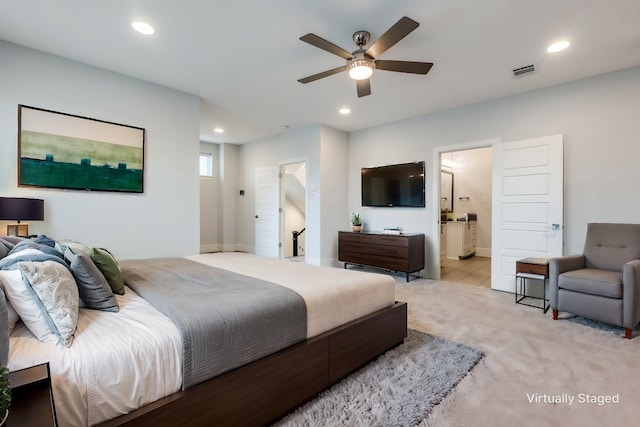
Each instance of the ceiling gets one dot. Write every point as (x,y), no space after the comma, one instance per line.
(243,58)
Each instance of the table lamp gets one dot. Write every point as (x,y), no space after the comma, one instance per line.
(20,209)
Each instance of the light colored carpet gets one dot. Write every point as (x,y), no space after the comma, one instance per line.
(397,389)
(527,356)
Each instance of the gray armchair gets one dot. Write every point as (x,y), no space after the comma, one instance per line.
(604,283)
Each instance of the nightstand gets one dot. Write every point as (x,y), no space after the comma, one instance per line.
(32,398)
(536,269)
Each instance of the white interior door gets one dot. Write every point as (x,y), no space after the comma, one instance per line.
(267,212)
(527,205)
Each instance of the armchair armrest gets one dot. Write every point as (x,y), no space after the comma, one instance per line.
(631,294)
(557,266)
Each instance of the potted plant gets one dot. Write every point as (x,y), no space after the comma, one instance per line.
(5,394)
(356,225)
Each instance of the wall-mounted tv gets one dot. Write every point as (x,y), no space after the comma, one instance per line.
(400,185)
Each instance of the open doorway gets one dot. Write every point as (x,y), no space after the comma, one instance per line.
(293,204)
(465,216)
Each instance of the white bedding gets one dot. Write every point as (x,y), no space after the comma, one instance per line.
(333,296)
(121,361)
(117,362)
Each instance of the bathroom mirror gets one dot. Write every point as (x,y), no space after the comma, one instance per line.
(446,191)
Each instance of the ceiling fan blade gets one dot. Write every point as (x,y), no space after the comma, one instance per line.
(404,66)
(364,87)
(323,44)
(397,32)
(322,75)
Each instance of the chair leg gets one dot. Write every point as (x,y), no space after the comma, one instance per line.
(555,314)
(628,333)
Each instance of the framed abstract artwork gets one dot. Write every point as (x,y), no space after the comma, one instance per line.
(59,150)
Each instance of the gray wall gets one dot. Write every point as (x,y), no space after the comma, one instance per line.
(325,150)
(164,220)
(210,202)
(598,116)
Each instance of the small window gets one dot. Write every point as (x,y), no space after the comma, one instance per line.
(206,164)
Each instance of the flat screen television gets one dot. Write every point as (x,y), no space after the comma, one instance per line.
(400,185)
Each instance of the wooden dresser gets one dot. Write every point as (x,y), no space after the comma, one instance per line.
(404,253)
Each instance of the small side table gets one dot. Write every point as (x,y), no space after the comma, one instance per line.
(532,268)
(32,398)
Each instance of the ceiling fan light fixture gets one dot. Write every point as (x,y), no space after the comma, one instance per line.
(143,28)
(361,68)
(558,46)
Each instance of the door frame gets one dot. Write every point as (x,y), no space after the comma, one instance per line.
(281,201)
(435,191)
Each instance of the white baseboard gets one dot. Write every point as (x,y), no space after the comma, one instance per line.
(226,248)
(240,248)
(210,248)
(483,252)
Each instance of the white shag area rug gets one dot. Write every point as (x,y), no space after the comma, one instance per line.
(399,388)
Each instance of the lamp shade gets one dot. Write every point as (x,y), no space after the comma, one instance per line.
(20,208)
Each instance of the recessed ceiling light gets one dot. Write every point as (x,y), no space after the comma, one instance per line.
(218,130)
(143,28)
(557,47)
(344,111)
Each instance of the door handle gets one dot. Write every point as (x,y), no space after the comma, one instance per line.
(256,216)
(555,226)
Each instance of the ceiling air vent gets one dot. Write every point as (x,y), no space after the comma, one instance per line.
(523,70)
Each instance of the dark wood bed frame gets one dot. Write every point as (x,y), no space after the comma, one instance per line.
(268,389)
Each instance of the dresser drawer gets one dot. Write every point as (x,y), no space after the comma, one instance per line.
(397,264)
(390,240)
(355,238)
(523,267)
(390,251)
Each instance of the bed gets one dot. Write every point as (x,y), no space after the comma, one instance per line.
(128,367)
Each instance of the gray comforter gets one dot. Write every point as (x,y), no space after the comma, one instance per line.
(226,319)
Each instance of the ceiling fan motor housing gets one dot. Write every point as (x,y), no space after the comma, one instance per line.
(361,38)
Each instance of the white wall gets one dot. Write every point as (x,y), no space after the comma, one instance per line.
(334,155)
(598,117)
(228,225)
(325,150)
(164,220)
(286,148)
(210,202)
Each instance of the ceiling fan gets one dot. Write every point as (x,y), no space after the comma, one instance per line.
(361,62)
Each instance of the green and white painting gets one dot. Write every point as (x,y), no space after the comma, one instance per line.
(58,150)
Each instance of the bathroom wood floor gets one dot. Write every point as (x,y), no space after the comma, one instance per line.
(475,271)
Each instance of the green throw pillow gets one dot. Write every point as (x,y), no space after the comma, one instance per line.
(108,265)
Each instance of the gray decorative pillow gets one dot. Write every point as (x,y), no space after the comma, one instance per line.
(4,250)
(76,247)
(93,288)
(51,289)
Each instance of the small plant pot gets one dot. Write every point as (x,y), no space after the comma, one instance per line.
(356,228)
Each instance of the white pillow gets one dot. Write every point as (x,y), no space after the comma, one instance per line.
(45,296)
